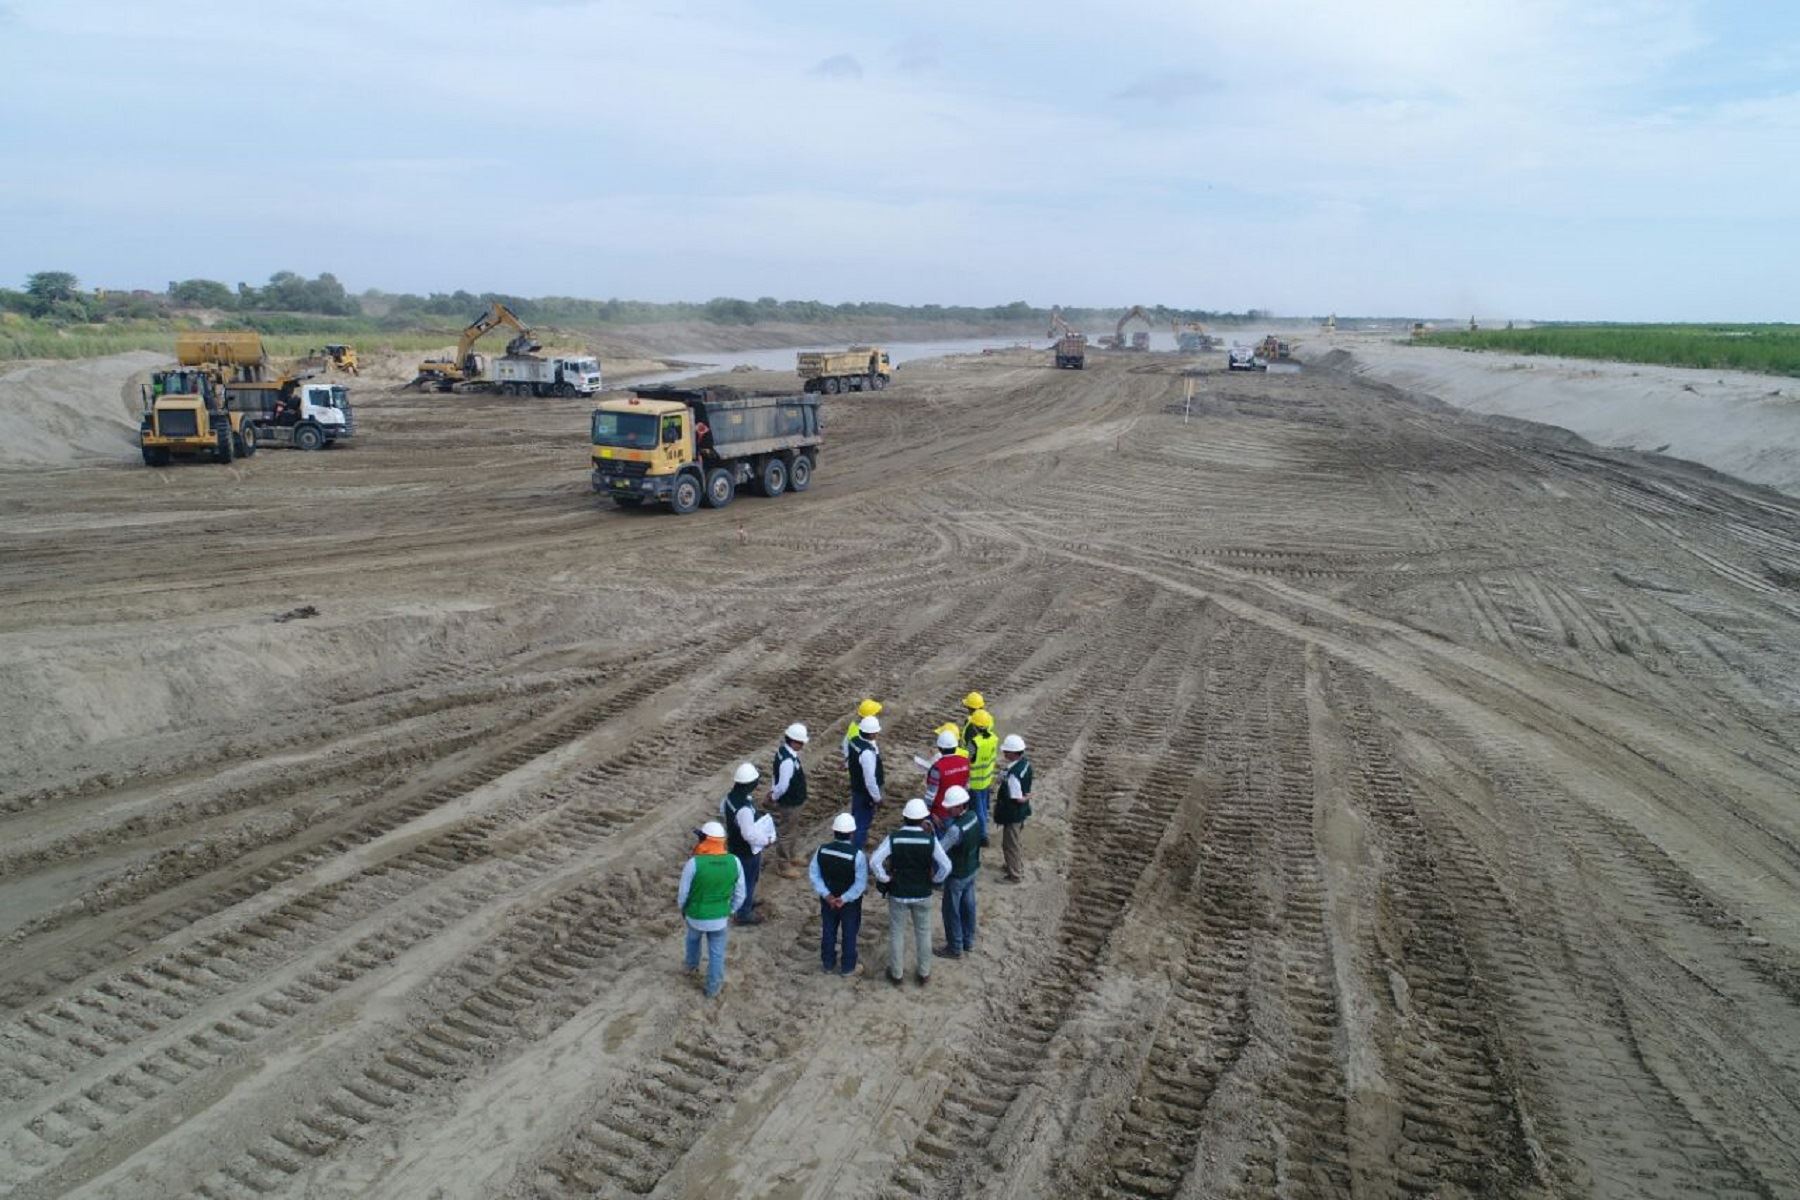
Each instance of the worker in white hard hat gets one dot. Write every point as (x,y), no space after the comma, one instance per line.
(864,763)
(918,864)
(748,832)
(788,793)
(1013,805)
(951,770)
(712,888)
(840,875)
(864,710)
(961,840)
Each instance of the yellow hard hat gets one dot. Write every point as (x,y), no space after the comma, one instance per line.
(983,719)
(950,727)
(869,708)
(974,701)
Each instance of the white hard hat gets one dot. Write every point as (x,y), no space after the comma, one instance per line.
(1014,744)
(915,810)
(870,725)
(843,823)
(713,829)
(746,773)
(946,740)
(955,797)
(797,733)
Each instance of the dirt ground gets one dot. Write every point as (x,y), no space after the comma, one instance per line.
(1415,814)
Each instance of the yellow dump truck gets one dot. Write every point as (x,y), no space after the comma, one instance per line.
(858,369)
(685,446)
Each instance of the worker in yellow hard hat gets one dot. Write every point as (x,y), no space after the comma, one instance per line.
(868,708)
(974,703)
(983,748)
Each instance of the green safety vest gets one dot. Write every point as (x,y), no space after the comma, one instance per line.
(715,879)
(965,856)
(1008,811)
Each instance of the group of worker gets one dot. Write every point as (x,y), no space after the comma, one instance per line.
(937,844)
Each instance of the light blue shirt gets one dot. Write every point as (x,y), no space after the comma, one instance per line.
(855,890)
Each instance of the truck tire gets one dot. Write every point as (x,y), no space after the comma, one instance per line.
(774,478)
(878,382)
(684,497)
(831,386)
(247,441)
(155,458)
(222,444)
(308,437)
(800,474)
(721,488)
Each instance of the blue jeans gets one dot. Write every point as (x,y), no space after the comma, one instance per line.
(835,924)
(752,864)
(959,913)
(980,799)
(715,956)
(865,816)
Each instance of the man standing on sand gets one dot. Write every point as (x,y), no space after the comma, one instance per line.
(1013,804)
(951,770)
(788,794)
(712,888)
(918,864)
(840,876)
(962,845)
(981,748)
(864,762)
(747,834)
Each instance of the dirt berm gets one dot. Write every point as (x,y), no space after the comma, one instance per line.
(1415,809)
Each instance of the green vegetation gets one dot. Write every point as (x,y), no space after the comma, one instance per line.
(1773,349)
(53,317)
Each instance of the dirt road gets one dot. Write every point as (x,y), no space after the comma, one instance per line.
(1416,808)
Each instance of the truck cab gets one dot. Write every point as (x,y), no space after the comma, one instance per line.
(304,413)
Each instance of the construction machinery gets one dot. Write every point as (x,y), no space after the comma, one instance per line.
(1419,329)
(1071,344)
(858,369)
(468,367)
(301,411)
(334,356)
(1273,349)
(1191,338)
(1331,324)
(687,446)
(529,375)
(184,409)
(1140,339)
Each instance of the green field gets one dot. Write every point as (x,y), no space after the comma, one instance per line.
(26,337)
(1771,349)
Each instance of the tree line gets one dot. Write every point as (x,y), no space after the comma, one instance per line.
(57,297)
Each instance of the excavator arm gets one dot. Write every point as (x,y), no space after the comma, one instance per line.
(1058,326)
(1136,310)
(497,315)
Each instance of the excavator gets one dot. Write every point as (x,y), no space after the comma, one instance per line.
(1192,338)
(1139,340)
(443,374)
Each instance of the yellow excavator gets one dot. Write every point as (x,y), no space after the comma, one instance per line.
(1139,340)
(443,374)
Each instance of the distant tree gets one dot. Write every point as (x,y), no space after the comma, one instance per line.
(70,310)
(727,310)
(46,288)
(202,293)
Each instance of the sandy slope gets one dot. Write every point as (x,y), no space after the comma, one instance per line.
(60,413)
(1743,424)
(1416,808)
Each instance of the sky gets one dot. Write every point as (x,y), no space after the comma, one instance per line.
(1527,159)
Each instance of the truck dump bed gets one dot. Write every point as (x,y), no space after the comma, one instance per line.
(740,424)
(213,346)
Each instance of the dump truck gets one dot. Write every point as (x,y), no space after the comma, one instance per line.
(687,446)
(468,369)
(530,375)
(185,413)
(1071,351)
(1192,338)
(858,369)
(302,411)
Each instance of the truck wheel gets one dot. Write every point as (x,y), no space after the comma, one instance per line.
(721,489)
(684,498)
(154,458)
(831,386)
(774,478)
(247,441)
(308,437)
(800,474)
(878,382)
(222,445)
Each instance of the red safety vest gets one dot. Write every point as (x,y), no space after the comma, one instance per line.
(951,769)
